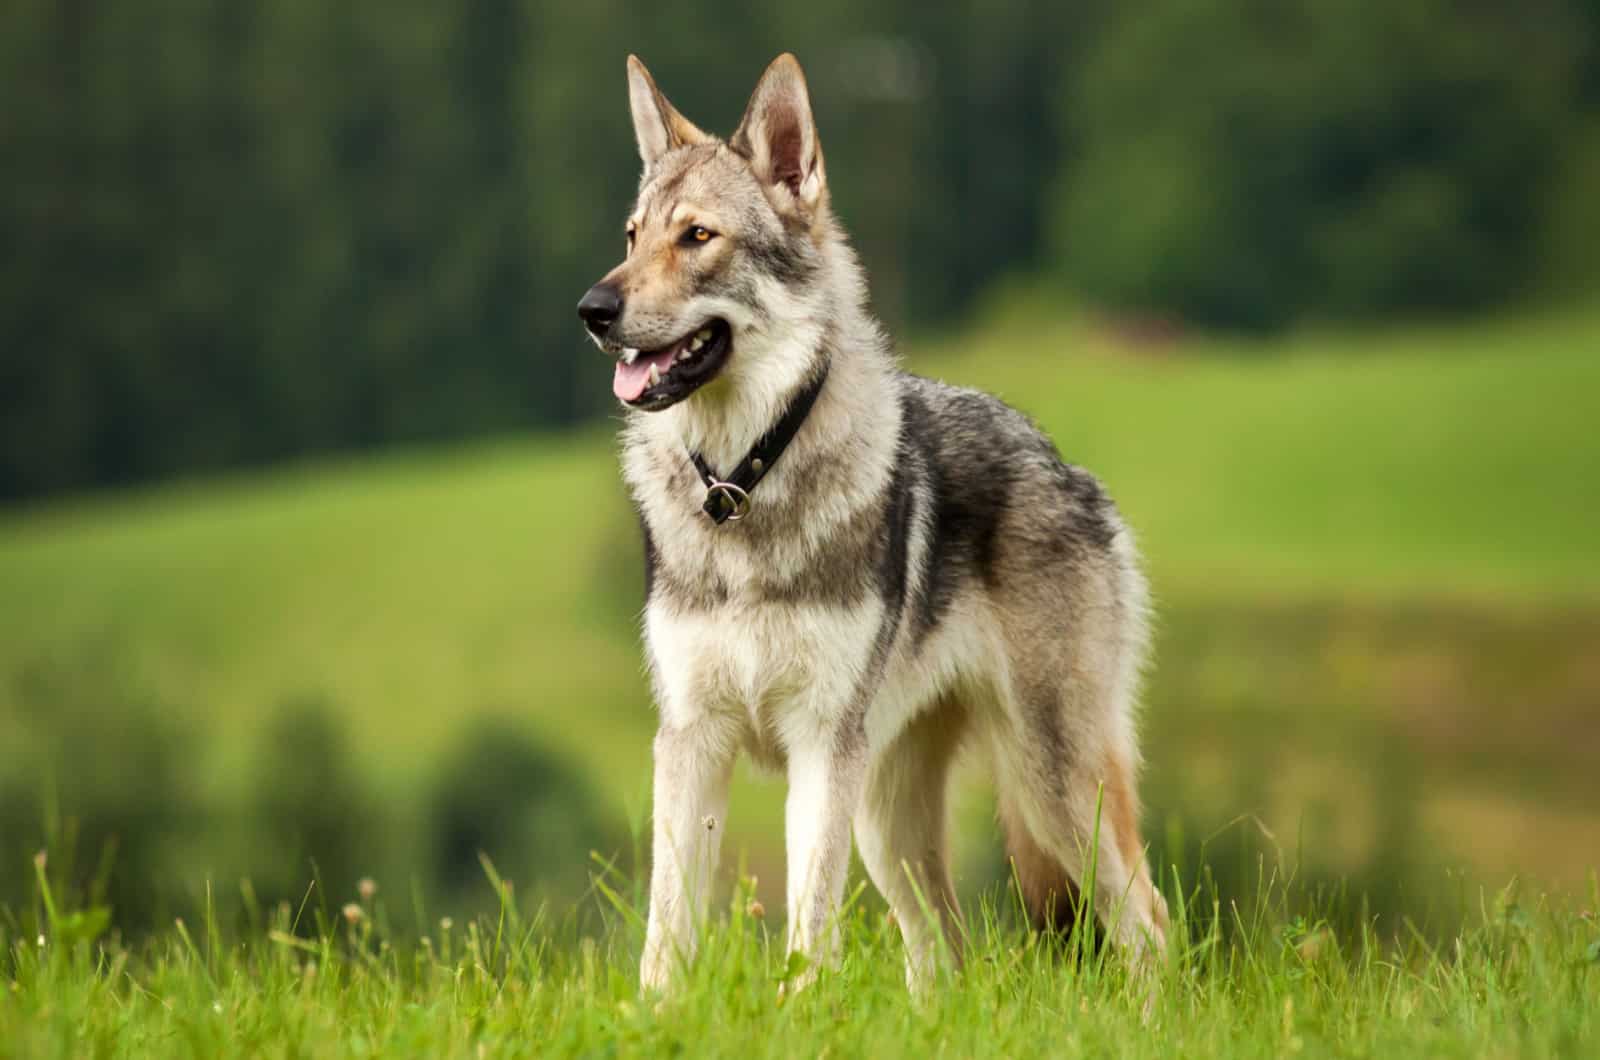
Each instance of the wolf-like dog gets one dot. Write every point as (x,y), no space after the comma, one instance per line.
(852,573)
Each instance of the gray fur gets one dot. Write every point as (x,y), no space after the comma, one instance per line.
(920,572)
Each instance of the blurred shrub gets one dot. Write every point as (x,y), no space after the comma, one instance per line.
(98,773)
(528,809)
(1244,162)
(309,810)
(1572,223)
(133,817)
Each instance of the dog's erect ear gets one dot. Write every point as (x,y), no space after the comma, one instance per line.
(779,136)
(656,123)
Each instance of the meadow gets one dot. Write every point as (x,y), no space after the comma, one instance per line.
(1238,982)
(1376,702)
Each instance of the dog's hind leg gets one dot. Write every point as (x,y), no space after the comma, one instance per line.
(1057,795)
(901,829)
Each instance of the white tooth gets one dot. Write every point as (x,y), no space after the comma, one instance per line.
(684,355)
(630,355)
(696,342)
(655,375)
(704,334)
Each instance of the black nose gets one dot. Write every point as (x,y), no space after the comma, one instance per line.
(600,308)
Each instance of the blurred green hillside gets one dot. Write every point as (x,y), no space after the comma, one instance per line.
(1374,554)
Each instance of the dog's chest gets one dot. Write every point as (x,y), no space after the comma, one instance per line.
(779,664)
(774,618)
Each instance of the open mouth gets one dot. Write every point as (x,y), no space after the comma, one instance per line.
(656,379)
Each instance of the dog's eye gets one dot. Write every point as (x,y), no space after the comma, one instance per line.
(632,231)
(696,234)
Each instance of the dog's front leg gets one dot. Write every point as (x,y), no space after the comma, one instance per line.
(826,775)
(693,765)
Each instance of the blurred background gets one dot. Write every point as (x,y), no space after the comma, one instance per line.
(314,560)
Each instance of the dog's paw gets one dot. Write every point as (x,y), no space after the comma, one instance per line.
(655,973)
(799,972)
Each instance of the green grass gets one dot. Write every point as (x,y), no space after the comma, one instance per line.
(1523,980)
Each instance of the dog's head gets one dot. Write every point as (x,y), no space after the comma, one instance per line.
(724,244)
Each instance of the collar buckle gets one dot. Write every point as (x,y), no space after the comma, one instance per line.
(726,502)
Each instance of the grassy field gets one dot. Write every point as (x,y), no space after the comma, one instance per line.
(1376,561)
(1521,981)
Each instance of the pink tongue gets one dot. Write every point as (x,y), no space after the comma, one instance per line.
(633,379)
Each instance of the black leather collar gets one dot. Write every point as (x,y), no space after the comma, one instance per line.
(729,498)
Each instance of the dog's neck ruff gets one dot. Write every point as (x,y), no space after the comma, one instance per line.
(729,498)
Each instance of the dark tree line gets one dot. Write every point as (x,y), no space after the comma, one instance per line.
(239,232)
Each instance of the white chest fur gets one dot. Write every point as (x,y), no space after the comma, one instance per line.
(790,670)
